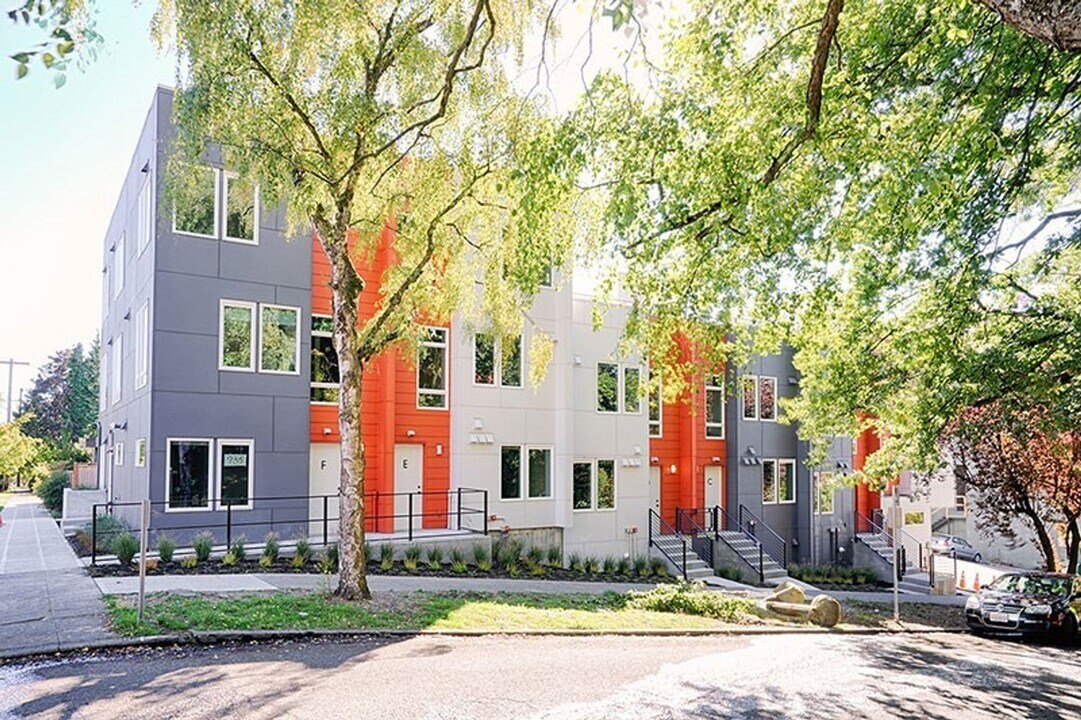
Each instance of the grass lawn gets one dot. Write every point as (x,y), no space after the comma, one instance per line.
(419,610)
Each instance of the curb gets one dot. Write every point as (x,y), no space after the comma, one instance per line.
(220,637)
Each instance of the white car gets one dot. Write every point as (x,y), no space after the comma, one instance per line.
(954,546)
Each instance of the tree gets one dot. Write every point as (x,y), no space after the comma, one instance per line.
(62,405)
(857,180)
(69,34)
(21,456)
(1020,466)
(372,117)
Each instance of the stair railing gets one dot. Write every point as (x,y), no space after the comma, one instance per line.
(657,528)
(724,522)
(907,542)
(688,525)
(775,545)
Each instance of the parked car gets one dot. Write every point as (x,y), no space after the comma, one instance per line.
(1033,604)
(955,546)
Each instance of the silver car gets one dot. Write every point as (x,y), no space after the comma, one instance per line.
(954,546)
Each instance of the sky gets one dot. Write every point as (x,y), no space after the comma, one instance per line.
(65,153)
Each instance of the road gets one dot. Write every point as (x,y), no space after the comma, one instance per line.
(780,676)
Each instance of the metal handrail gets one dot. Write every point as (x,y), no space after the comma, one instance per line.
(882,530)
(775,545)
(656,521)
(723,520)
(701,538)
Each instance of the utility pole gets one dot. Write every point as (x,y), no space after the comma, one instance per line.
(11,373)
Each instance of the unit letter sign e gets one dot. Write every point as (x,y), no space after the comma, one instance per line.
(405,463)
(236,459)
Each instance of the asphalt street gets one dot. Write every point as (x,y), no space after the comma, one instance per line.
(779,676)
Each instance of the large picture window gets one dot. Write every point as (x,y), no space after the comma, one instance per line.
(187,474)
(432,369)
(196,211)
(607,388)
(540,472)
(325,374)
(235,472)
(279,344)
(510,485)
(715,407)
(237,336)
(241,210)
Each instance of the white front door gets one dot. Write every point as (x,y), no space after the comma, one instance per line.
(713,486)
(655,489)
(324,477)
(408,482)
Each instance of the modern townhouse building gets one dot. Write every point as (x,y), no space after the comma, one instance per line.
(219,395)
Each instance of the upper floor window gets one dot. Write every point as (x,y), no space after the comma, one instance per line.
(116,356)
(140,452)
(497,361)
(145,214)
(758,397)
(237,336)
(196,210)
(279,344)
(632,399)
(779,481)
(607,388)
(326,377)
(241,210)
(432,369)
(142,345)
(715,406)
(655,411)
(118,267)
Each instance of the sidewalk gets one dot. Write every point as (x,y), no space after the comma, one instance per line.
(46,599)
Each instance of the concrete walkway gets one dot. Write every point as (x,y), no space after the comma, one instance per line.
(46,599)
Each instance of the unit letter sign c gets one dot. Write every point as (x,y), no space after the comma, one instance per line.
(235,460)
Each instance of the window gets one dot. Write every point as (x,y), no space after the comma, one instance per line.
(118,454)
(236,337)
(632,401)
(235,460)
(748,385)
(546,277)
(510,486)
(767,398)
(187,474)
(118,267)
(715,406)
(583,485)
(769,481)
(432,369)
(325,375)
(142,345)
(606,484)
(241,210)
(786,483)
(607,388)
(117,357)
(103,374)
(279,342)
(655,409)
(824,497)
(540,472)
(140,452)
(494,359)
(196,211)
(145,215)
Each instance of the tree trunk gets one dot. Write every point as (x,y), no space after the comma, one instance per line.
(1046,547)
(1073,544)
(1055,21)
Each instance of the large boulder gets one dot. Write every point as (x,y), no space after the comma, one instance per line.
(787,592)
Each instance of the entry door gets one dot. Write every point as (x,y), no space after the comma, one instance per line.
(408,479)
(713,486)
(324,477)
(655,489)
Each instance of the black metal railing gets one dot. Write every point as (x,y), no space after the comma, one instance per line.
(724,522)
(774,545)
(688,524)
(659,528)
(315,517)
(908,545)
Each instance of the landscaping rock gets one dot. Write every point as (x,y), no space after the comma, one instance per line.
(825,611)
(787,592)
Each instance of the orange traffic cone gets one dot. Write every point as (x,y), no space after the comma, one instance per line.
(961,584)
(976,584)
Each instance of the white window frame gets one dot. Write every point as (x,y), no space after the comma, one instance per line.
(217,210)
(597,389)
(623,369)
(296,345)
(224,219)
(256,319)
(597,484)
(776,480)
(753,381)
(119,270)
(758,398)
(145,215)
(521,472)
(444,345)
(116,387)
(118,454)
(708,387)
(551,471)
(142,345)
(169,472)
(660,413)
(497,362)
(792,463)
(592,485)
(219,459)
(321,385)
(140,453)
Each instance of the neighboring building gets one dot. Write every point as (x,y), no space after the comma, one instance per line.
(219,388)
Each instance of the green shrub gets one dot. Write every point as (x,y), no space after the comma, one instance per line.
(482,558)
(108,528)
(457,561)
(510,553)
(328,560)
(691,599)
(412,558)
(238,548)
(535,555)
(189,562)
(166,547)
(229,559)
(592,565)
(511,566)
(332,554)
(555,556)
(641,567)
(202,544)
(125,547)
(303,551)
(623,566)
(435,557)
(609,566)
(265,561)
(386,556)
(574,562)
(658,567)
(51,491)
